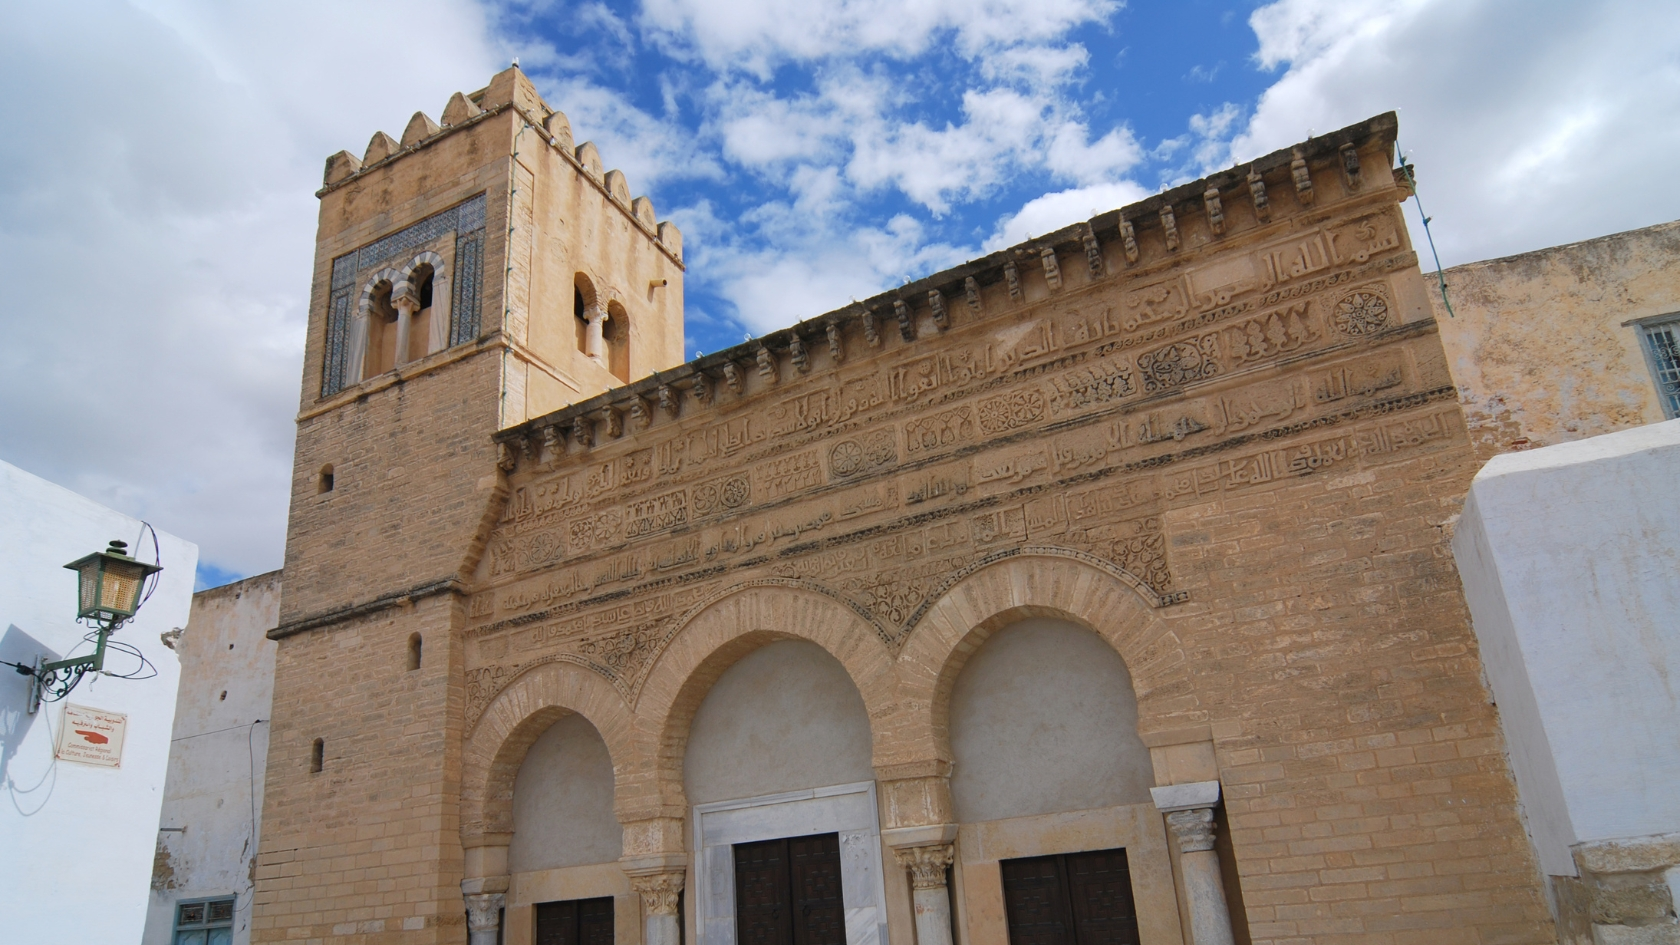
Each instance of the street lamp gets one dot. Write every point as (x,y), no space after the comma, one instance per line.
(109,584)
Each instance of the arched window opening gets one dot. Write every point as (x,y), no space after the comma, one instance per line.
(324,482)
(420,330)
(317,755)
(616,336)
(381,333)
(580,320)
(413,652)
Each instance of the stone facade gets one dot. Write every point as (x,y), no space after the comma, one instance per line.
(1546,346)
(1216,428)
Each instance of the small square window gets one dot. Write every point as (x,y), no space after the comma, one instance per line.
(1662,352)
(206,922)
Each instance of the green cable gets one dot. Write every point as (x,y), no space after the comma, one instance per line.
(1439,276)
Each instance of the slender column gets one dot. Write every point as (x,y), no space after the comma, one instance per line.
(660,922)
(927,866)
(1189,810)
(405,307)
(594,343)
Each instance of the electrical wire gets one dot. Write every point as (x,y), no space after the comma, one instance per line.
(157,559)
(1440,277)
(250,792)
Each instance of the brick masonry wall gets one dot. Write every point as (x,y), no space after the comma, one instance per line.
(368,849)
(1220,433)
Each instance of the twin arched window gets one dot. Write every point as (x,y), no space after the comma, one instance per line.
(402,316)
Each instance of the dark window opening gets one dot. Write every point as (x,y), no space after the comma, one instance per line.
(787,892)
(575,922)
(580,320)
(413,652)
(324,484)
(615,334)
(317,756)
(1070,899)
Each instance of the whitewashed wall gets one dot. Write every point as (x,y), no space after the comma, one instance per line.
(212,804)
(78,840)
(1570,557)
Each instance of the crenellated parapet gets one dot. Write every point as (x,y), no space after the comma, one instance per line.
(542,124)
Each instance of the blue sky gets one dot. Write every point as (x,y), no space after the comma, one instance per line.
(158,171)
(914,145)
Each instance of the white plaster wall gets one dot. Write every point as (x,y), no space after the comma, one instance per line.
(77,840)
(218,754)
(1044,719)
(1570,557)
(785,717)
(563,801)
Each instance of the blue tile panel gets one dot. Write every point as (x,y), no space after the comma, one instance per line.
(466,221)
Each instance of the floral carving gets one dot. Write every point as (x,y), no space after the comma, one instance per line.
(1016,409)
(1178,364)
(1361,313)
(1271,334)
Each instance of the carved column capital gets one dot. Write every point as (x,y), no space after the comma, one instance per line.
(658,891)
(1193,829)
(927,865)
(484,913)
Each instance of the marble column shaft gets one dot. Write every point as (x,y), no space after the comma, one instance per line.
(931,899)
(660,923)
(1204,888)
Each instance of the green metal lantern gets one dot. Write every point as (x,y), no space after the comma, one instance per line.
(111,584)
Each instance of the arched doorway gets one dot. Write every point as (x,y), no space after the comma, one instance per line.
(565,881)
(1058,839)
(786,835)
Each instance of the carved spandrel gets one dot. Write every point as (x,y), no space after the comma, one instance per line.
(899,516)
(893,575)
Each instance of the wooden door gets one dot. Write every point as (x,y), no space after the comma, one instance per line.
(1070,899)
(575,922)
(787,892)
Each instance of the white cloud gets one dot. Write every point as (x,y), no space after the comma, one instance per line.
(1051,212)
(157,218)
(781,283)
(757,35)
(1531,124)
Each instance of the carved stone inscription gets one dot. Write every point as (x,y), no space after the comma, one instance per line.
(1072,428)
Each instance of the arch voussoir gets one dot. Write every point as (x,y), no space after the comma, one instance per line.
(732,624)
(1041,583)
(514,720)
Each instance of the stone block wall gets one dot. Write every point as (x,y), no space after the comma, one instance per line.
(1542,344)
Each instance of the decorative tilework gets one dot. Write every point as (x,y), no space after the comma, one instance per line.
(338,335)
(469,271)
(466,220)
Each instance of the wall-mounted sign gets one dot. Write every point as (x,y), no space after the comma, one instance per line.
(92,736)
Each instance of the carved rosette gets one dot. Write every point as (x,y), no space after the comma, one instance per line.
(1361,313)
(927,865)
(658,891)
(1193,829)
